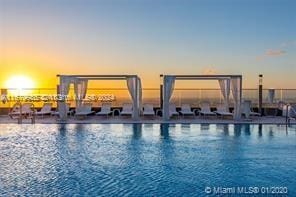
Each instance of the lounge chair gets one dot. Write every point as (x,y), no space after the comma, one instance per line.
(285,108)
(127,110)
(69,112)
(105,110)
(186,110)
(148,110)
(84,110)
(246,110)
(25,110)
(291,112)
(205,109)
(223,111)
(45,110)
(15,110)
(172,110)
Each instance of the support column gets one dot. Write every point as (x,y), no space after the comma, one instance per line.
(161,91)
(260,94)
(57,100)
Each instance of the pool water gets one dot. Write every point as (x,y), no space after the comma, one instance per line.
(144,159)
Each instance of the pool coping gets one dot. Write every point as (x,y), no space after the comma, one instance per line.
(157,120)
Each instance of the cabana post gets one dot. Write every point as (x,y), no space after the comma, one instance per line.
(227,83)
(80,87)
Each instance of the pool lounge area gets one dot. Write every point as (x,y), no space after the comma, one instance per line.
(232,107)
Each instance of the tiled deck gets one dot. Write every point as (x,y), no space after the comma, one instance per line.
(120,120)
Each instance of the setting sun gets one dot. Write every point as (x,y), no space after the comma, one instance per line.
(19,82)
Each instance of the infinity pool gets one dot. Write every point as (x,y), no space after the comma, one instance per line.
(144,159)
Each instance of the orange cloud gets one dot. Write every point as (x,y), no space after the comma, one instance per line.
(271,53)
(274,53)
(277,52)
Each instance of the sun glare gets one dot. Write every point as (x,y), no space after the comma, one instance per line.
(20,82)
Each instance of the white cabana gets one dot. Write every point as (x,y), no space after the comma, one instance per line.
(226,82)
(80,87)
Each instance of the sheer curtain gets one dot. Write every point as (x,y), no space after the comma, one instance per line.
(63,92)
(168,88)
(139,95)
(132,84)
(236,93)
(225,90)
(80,89)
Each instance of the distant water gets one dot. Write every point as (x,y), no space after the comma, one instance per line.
(144,160)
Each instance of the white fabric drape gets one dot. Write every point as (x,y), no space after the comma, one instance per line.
(271,93)
(246,108)
(80,88)
(63,92)
(168,88)
(236,93)
(140,95)
(225,90)
(133,88)
(285,110)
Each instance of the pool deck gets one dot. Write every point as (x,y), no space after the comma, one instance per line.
(4,119)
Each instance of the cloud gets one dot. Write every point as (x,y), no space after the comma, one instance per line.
(271,53)
(274,53)
(280,51)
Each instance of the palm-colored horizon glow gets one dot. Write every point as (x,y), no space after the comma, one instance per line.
(43,38)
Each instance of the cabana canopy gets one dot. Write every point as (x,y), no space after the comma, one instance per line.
(80,87)
(226,82)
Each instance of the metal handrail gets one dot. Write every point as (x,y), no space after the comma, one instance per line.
(178,96)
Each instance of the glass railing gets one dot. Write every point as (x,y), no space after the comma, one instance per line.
(150,95)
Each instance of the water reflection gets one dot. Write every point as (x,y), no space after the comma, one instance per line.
(80,137)
(204,127)
(186,126)
(61,137)
(79,130)
(291,127)
(137,131)
(237,130)
(62,129)
(224,128)
(164,131)
(148,126)
(135,150)
(260,130)
(166,148)
(270,131)
(246,129)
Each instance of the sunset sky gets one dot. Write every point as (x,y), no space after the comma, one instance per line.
(39,39)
